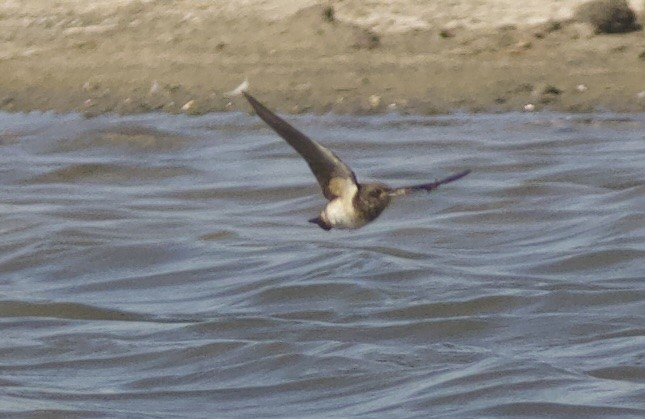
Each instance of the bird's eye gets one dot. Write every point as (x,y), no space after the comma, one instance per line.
(375,193)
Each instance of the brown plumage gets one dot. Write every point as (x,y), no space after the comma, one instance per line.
(351,204)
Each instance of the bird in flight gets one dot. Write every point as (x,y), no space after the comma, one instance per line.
(351,204)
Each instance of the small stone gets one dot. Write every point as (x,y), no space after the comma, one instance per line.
(374,101)
(302,87)
(188,106)
(6,101)
(89,86)
(581,88)
(551,90)
(523,45)
(366,39)
(328,14)
(529,107)
(154,87)
(546,28)
(607,16)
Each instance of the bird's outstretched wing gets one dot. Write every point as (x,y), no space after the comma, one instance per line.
(332,174)
(427,187)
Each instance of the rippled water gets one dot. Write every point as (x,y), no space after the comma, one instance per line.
(162,265)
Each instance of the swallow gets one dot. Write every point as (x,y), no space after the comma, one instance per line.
(351,204)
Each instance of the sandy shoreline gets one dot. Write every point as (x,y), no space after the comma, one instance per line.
(129,56)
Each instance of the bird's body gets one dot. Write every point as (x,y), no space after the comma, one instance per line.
(351,204)
(340,212)
(348,210)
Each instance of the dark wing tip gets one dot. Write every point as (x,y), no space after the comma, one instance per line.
(456,176)
(451,178)
(429,186)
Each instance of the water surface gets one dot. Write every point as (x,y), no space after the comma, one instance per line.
(161,265)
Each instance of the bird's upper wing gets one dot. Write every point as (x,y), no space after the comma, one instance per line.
(427,187)
(332,174)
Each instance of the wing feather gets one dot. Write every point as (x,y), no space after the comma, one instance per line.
(427,187)
(330,171)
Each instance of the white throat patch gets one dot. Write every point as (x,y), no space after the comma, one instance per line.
(340,212)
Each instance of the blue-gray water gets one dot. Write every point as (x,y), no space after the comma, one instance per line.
(156,266)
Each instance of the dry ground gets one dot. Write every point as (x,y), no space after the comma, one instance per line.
(373,56)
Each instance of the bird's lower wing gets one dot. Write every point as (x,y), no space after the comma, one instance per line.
(330,171)
(427,187)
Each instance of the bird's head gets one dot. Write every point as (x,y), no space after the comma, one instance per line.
(373,198)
